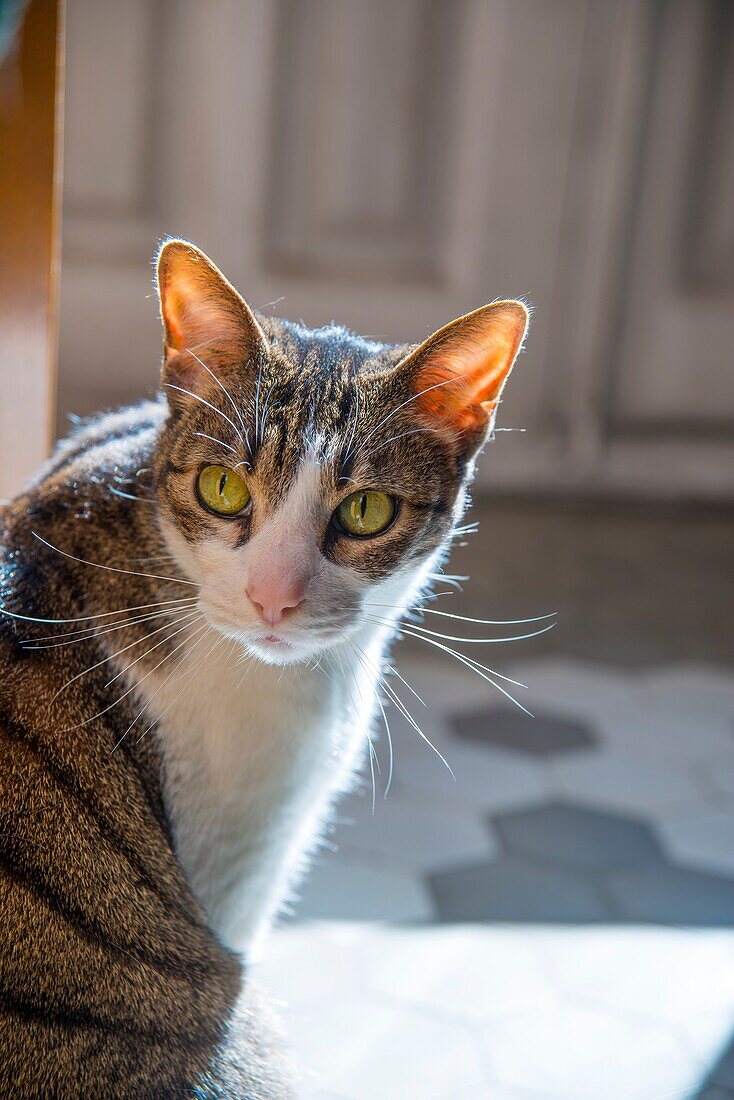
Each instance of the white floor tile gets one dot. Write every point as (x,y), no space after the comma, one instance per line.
(666,974)
(365,1050)
(576,1054)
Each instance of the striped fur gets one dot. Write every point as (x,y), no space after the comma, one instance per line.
(115,980)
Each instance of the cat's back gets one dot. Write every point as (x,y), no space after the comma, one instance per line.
(118,438)
(86,500)
(111,982)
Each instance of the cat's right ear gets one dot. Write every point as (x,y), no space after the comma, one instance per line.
(205,320)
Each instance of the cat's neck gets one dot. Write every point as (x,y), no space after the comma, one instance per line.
(254,756)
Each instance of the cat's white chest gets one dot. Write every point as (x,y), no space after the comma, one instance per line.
(252,756)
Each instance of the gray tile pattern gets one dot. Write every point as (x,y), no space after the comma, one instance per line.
(673,895)
(578,837)
(542,735)
(517,890)
(568,897)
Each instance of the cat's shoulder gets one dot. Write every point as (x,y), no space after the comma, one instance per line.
(116,439)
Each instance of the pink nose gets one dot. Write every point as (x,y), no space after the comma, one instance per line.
(274,602)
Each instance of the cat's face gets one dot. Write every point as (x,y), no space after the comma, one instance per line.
(309,479)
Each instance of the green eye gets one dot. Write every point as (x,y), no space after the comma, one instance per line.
(365,513)
(222,491)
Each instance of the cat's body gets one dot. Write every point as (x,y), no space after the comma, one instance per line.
(196,685)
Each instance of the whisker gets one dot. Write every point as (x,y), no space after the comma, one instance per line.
(186,620)
(172,386)
(488,622)
(390,760)
(355,420)
(393,438)
(201,631)
(404,629)
(372,752)
(134,687)
(266,406)
(451,579)
(482,641)
(97,615)
(95,632)
(409,401)
(104,660)
(224,390)
(257,399)
(112,568)
(393,669)
(131,496)
(478,669)
(213,439)
(409,717)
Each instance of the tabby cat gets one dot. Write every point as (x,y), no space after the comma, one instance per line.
(199,593)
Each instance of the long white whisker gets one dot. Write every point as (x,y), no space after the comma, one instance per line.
(405,629)
(201,631)
(134,687)
(355,420)
(112,568)
(104,660)
(393,669)
(390,759)
(224,390)
(451,578)
(266,406)
(90,632)
(213,439)
(477,668)
(257,399)
(131,496)
(393,438)
(373,754)
(186,620)
(482,641)
(409,718)
(98,615)
(230,421)
(409,401)
(488,622)
(217,641)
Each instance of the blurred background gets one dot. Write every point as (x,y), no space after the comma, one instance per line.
(558,921)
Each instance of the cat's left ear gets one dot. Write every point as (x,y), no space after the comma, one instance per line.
(458,374)
(204,318)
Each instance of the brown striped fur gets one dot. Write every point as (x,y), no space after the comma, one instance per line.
(111,982)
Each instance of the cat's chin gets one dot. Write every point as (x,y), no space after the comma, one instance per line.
(272,650)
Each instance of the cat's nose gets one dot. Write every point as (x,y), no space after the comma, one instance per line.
(274,603)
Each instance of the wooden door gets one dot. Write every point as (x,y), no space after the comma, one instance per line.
(393,163)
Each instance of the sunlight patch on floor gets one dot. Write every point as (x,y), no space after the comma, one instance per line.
(506,1012)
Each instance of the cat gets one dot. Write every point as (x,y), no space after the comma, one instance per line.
(199,594)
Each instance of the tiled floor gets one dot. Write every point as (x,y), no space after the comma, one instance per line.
(557,923)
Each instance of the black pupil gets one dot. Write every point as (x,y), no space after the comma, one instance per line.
(363,504)
(222,483)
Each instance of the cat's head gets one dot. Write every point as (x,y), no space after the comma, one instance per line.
(310,479)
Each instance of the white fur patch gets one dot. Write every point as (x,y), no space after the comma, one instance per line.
(254,753)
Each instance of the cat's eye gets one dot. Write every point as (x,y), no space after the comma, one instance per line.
(365,513)
(222,491)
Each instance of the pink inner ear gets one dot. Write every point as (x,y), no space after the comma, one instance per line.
(194,317)
(467,370)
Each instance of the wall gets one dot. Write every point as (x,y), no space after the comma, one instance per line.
(394,163)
